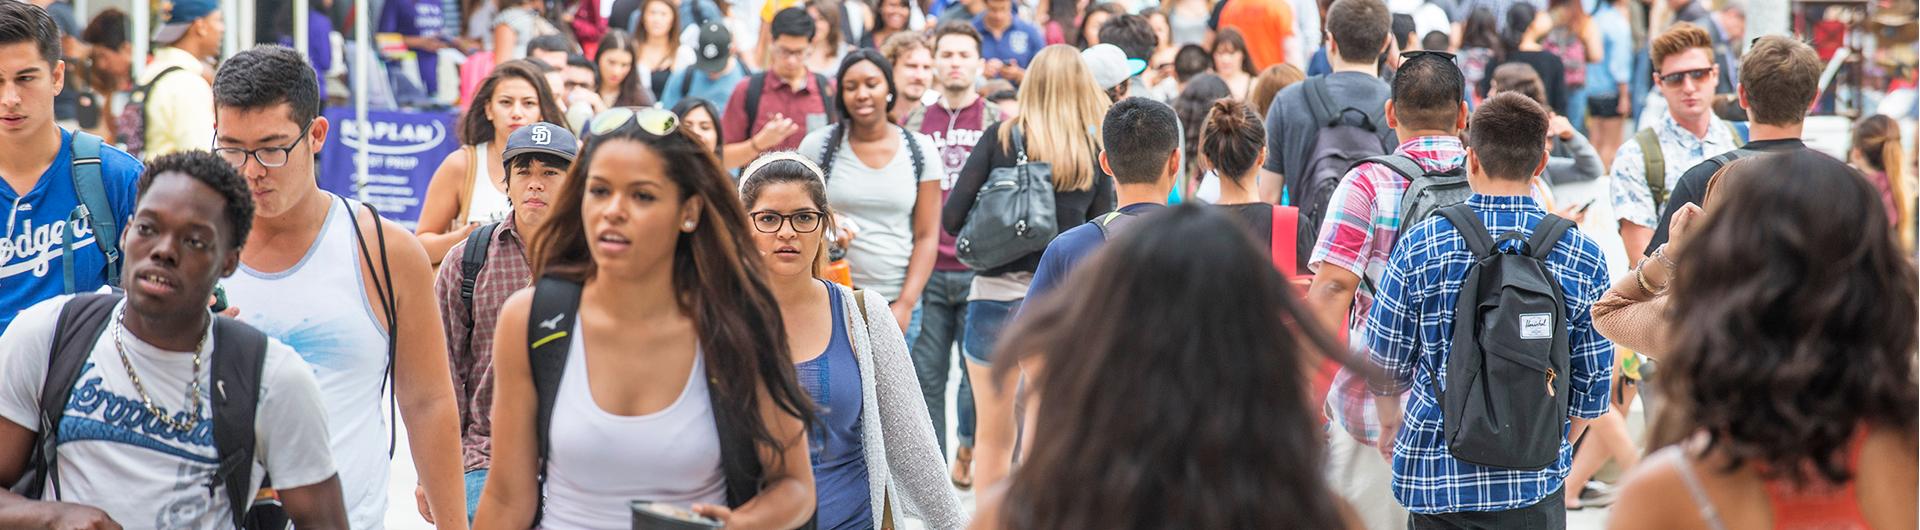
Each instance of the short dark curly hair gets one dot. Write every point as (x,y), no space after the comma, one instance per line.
(209,169)
(268,75)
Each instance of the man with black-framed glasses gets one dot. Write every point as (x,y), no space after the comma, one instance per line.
(492,264)
(1646,167)
(348,290)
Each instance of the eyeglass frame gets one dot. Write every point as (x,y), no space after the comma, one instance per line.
(255,153)
(787,219)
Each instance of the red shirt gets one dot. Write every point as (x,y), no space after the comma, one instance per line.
(777,98)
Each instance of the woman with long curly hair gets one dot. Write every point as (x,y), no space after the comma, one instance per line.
(691,398)
(1206,424)
(1789,387)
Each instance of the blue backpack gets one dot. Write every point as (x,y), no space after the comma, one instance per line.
(94,209)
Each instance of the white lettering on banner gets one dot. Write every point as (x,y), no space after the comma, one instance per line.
(393,138)
(37,247)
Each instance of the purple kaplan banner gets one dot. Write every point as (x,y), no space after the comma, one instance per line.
(403,150)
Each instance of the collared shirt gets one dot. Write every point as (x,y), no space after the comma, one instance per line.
(470,333)
(180,108)
(777,98)
(1357,235)
(1017,45)
(1679,149)
(1411,332)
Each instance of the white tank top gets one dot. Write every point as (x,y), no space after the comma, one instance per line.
(599,462)
(487,204)
(320,308)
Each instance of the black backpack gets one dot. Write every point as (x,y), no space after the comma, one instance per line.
(757,84)
(556,306)
(131,125)
(472,260)
(1339,144)
(1504,401)
(239,356)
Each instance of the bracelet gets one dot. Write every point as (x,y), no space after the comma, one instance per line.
(1661,254)
(1640,276)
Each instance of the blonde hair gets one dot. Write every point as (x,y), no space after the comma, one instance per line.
(1877,137)
(1060,113)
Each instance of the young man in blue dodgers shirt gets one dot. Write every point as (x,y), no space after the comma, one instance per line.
(50,244)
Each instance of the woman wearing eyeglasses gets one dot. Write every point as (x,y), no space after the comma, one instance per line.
(874,455)
(886,180)
(629,373)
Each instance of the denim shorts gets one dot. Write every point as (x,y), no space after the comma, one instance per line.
(986,319)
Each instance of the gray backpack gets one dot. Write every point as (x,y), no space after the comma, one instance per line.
(1503,402)
(1013,214)
(1427,192)
(1339,144)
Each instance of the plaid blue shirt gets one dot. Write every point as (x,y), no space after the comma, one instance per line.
(1411,331)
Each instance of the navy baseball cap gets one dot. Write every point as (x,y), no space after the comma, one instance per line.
(541,137)
(182,15)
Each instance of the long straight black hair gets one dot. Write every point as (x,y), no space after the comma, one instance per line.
(1203,424)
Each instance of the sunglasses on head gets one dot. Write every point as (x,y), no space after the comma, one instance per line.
(1700,74)
(654,121)
(1410,55)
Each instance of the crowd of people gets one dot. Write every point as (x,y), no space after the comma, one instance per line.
(1233,264)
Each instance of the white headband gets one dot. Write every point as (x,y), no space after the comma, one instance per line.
(769,158)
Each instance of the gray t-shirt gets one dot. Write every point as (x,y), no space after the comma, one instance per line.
(880,202)
(1290,126)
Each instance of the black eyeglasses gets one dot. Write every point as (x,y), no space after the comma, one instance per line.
(1699,74)
(655,121)
(803,222)
(267,156)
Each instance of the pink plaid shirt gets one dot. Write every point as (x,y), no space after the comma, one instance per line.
(1362,223)
(470,339)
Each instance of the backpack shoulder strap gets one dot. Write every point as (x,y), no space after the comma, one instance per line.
(1318,102)
(1656,163)
(1470,228)
(756,84)
(556,304)
(239,356)
(1400,164)
(1546,234)
(384,291)
(826,100)
(1112,223)
(913,153)
(95,208)
(81,322)
(1286,229)
(472,260)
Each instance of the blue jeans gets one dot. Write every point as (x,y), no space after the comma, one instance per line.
(985,320)
(942,317)
(1577,109)
(476,480)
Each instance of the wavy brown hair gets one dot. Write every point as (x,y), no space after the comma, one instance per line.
(1207,424)
(716,272)
(1793,321)
(475,128)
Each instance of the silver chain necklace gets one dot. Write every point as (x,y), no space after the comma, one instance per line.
(193,386)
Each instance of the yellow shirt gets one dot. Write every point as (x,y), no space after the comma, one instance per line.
(768,9)
(180,108)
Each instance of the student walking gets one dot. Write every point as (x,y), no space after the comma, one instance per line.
(874,457)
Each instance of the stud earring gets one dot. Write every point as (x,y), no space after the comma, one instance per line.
(687,226)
